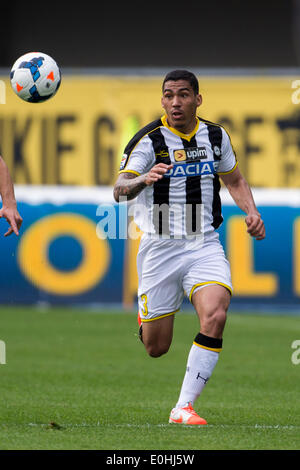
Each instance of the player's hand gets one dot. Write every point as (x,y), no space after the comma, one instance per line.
(255,226)
(14,219)
(156,173)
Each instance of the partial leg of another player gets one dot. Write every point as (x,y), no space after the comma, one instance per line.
(211,303)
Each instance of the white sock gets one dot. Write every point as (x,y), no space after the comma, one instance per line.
(200,365)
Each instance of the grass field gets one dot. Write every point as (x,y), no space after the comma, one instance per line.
(89,374)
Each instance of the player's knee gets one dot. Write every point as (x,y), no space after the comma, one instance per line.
(220,316)
(157,350)
(157,336)
(213,323)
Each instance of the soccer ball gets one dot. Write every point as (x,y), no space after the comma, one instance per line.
(35,77)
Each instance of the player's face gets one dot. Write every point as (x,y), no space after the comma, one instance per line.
(180,103)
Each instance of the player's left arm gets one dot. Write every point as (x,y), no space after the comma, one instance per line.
(242,196)
(9,206)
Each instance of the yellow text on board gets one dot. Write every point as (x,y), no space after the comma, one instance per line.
(78,137)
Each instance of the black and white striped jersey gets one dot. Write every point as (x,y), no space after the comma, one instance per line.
(186,201)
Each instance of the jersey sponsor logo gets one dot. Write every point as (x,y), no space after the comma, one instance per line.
(192,169)
(179,155)
(192,154)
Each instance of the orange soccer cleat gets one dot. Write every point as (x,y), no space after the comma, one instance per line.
(186,415)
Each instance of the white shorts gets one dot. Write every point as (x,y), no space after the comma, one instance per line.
(168,269)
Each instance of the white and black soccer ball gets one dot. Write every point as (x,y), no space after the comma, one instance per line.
(35,77)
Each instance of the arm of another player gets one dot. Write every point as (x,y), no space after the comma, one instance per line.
(242,196)
(129,185)
(9,206)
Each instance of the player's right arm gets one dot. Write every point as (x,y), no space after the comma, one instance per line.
(129,184)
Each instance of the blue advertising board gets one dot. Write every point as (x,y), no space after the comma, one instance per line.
(62,255)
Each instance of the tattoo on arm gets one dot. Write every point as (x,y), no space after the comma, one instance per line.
(128,185)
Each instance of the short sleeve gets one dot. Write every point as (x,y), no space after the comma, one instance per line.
(228,161)
(138,159)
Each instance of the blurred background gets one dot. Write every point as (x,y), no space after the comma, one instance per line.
(64,154)
(163,34)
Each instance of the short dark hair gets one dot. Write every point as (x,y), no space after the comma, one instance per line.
(182,75)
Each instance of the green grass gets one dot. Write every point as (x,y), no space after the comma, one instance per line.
(89,373)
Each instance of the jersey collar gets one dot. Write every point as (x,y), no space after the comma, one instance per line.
(180,134)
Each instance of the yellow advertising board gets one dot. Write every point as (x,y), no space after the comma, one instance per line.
(78,137)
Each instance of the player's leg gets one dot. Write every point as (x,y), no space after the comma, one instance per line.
(157,335)
(160,294)
(211,303)
(157,308)
(208,283)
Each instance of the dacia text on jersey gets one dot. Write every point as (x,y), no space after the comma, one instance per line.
(192,169)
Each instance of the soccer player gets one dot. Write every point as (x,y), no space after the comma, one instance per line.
(173,166)
(9,206)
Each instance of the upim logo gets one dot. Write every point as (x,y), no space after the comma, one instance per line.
(2,352)
(2,92)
